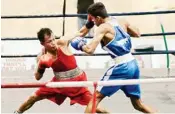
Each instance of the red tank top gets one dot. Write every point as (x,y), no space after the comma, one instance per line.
(63,62)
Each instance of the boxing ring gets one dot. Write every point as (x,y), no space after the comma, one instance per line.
(157,85)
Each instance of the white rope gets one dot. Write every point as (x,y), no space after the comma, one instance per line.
(108,83)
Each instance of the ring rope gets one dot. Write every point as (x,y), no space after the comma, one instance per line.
(87,83)
(34,38)
(99,54)
(78,15)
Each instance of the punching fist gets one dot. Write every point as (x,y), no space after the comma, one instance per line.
(44,62)
(78,43)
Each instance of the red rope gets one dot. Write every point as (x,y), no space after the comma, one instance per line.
(94,99)
(23,85)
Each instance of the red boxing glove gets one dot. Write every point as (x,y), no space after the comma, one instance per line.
(44,62)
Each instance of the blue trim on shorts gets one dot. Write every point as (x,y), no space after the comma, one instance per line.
(129,70)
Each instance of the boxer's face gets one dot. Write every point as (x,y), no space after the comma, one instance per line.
(97,20)
(49,42)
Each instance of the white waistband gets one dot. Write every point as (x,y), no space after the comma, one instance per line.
(123,59)
(68,74)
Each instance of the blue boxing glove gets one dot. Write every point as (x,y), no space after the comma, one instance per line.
(78,43)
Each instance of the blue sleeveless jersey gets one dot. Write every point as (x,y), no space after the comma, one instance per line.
(121,43)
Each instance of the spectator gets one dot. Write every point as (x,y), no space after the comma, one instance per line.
(82,6)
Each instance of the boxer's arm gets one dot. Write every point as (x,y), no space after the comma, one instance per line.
(65,40)
(100,32)
(40,69)
(82,32)
(131,30)
(43,51)
(85,29)
(39,73)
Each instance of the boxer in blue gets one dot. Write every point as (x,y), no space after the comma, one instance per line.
(114,37)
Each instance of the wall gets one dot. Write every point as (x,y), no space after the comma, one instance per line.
(29,27)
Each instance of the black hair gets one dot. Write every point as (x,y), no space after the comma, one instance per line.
(97,9)
(42,32)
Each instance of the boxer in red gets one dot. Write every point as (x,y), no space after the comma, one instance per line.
(57,56)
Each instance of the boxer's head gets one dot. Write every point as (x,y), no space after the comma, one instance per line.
(47,39)
(98,13)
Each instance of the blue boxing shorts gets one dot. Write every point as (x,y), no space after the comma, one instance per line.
(125,71)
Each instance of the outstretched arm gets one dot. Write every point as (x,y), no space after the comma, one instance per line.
(82,32)
(100,33)
(65,40)
(85,29)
